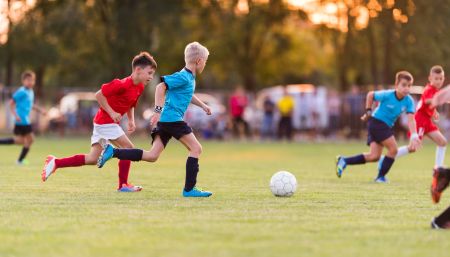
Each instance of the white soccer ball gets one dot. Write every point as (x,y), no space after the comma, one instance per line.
(283,183)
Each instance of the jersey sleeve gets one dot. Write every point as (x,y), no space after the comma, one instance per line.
(380,95)
(410,106)
(18,95)
(114,87)
(173,81)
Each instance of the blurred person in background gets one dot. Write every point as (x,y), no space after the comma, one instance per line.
(285,107)
(238,103)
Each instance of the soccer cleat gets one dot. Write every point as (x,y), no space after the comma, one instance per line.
(380,162)
(49,167)
(439,183)
(107,154)
(22,163)
(340,165)
(434,225)
(381,180)
(129,188)
(196,192)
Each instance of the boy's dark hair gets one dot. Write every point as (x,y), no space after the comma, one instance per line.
(436,69)
(143,59)
(27,74)
(403,75)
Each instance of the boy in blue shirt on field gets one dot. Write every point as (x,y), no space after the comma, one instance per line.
(21,104)
(392,103)
(172,97)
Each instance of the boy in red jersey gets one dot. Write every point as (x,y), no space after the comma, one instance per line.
(115,98)
(426,116)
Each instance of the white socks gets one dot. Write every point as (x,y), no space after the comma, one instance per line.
(402,151)
(440,155)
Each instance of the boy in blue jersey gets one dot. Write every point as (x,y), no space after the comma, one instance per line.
(380,135)
(172,97)
(21,104)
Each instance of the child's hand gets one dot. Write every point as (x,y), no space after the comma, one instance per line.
(207,109)
(436,116)
(414,143)
(115,116)
(155,118)
(365,117)
(131,126)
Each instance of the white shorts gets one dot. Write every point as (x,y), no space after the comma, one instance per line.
(106,131)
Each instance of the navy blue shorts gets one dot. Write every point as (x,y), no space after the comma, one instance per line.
(378,131)
(22,130)
(167,130)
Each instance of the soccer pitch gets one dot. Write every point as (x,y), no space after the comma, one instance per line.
(77,212)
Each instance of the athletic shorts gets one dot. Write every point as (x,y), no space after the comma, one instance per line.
(378,131)
(22,130)
(424,125)
(167,130)
(106,131)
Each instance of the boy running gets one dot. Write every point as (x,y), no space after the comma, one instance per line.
(115,98)
(391,104)
(172,97)
(21,104)
(426,116)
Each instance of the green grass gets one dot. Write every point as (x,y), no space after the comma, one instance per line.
(78,213)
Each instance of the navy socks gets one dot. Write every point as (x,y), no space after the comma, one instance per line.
(192,169)
(128,154)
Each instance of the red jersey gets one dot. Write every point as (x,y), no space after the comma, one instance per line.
(424,109)
(122,95)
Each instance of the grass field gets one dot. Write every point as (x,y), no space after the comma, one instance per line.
(78,213)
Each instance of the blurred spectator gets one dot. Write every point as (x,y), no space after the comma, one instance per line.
(333,105)
(354,108)
(238,103)
(285,107)
(267,126)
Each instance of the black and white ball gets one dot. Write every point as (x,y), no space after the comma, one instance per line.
(283,183)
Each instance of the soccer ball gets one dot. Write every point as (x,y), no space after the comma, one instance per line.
(283,183)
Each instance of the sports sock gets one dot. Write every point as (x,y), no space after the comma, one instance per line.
(192,169)
(128,154)
(23,153)
(440,155)
(73,161)
(7,141)
(443,218)
(353,160)
(386,166)
(124,170)
(402,151)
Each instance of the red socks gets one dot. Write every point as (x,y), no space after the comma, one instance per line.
(73,161)
(124,170)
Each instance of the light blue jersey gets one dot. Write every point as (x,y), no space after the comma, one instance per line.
(24,99)
(180,89)
(391,107)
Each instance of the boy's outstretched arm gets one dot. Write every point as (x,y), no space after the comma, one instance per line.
(414,141)
(442,97)
(369,103)
(196,101)
(160,97)
(131,124)
(101,99)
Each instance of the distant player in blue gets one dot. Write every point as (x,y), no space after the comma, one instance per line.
(21,104)
(172,97)
(392,103)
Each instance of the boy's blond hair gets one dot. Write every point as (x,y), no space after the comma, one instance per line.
(436,69)
(27,74)
(403,75)
(195,51)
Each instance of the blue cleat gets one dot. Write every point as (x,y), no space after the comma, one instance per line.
(381,180)
(196,192)
(380,162)
(106,155)
(129,188)
(340,165)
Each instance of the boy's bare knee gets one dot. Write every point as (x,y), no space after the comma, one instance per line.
(197,150)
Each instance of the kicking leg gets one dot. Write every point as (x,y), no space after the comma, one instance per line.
(373,155)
